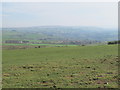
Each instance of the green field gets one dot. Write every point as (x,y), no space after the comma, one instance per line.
(61,67)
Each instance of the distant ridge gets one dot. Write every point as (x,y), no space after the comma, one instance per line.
(61,33)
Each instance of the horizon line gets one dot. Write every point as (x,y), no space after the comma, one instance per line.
(58,26)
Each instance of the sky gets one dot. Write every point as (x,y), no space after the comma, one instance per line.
(28,14)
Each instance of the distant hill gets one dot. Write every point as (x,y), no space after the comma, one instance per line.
(54,33)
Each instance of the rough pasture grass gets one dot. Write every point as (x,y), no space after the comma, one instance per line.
(61,67)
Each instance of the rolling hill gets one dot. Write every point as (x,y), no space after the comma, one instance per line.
(57,33)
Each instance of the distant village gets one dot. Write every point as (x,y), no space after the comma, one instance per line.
(49,42)
(58,42)
(16,41)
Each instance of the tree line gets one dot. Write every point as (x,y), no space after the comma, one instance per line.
(113,42)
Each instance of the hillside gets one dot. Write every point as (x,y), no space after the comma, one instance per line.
(60,33)
(61,67)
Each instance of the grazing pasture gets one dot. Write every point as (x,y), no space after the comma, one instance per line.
(61,67)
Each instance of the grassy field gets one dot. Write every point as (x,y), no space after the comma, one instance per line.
(61,67)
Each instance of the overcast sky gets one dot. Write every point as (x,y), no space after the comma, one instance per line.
(27,14)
